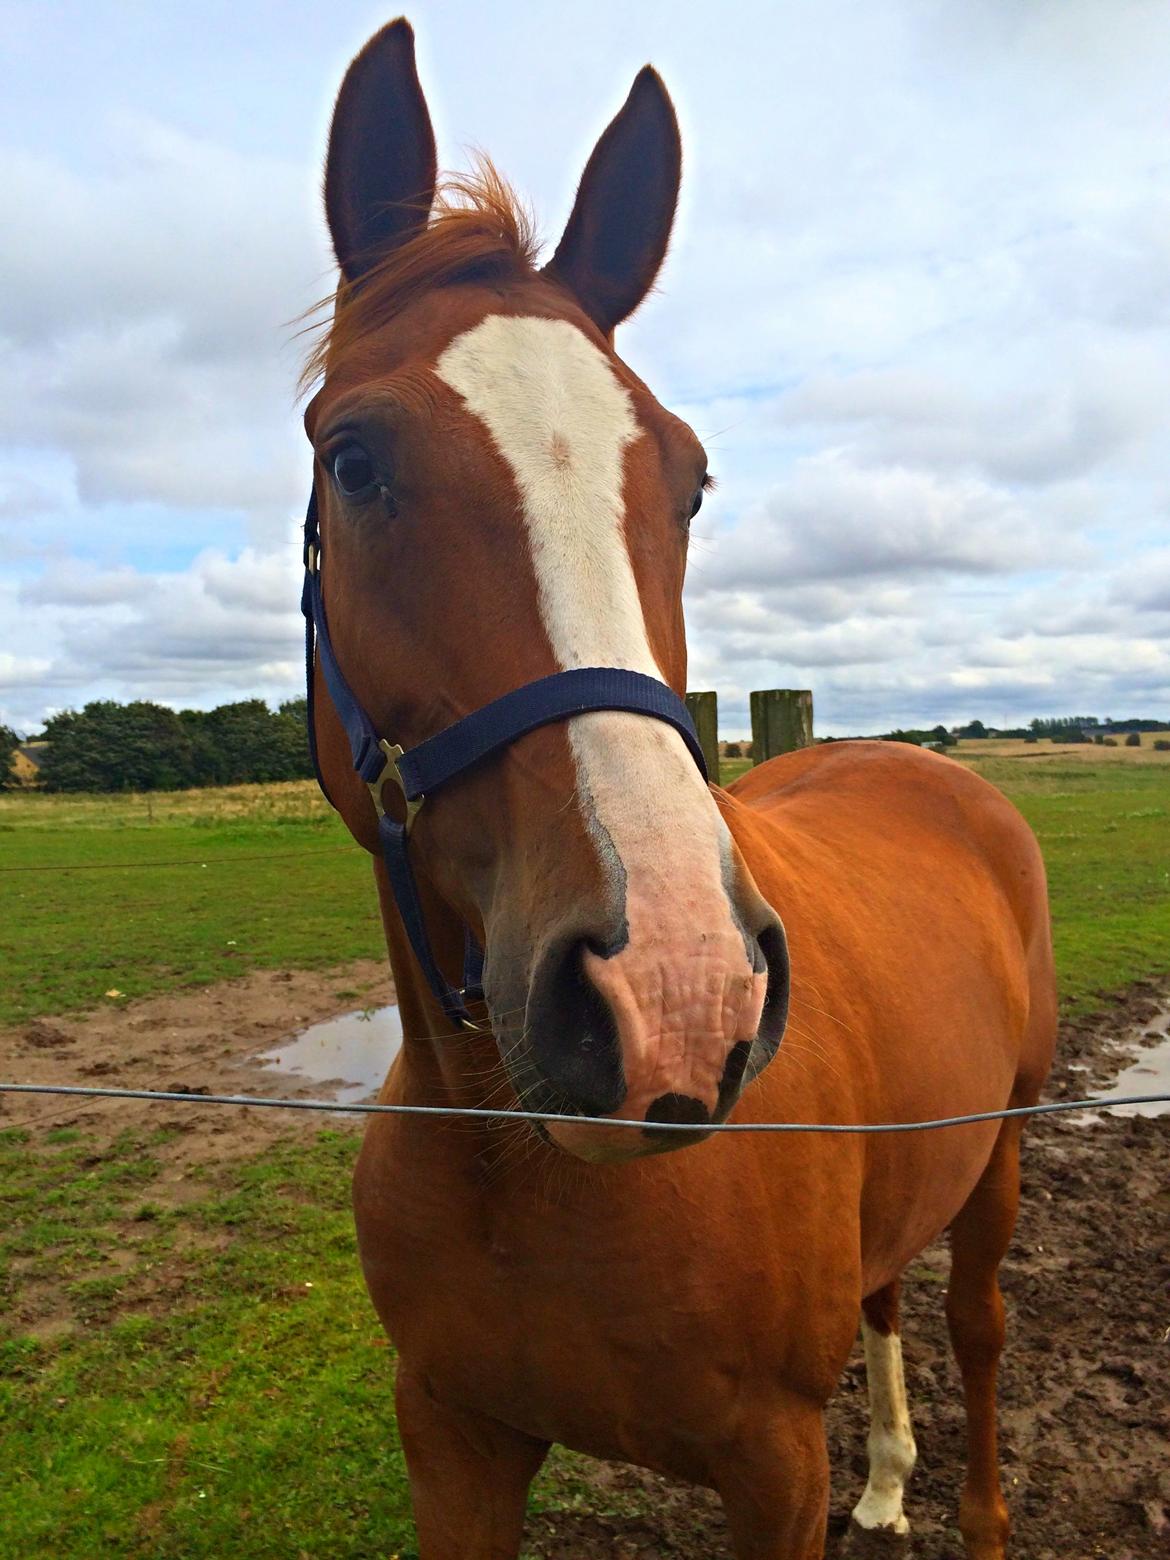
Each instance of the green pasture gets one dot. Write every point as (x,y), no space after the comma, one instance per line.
(207,1378)
(139,894)
(224,1388)
(1104,830)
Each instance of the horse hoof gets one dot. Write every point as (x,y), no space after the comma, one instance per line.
(860,1543)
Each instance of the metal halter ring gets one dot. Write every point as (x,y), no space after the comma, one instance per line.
(390,771)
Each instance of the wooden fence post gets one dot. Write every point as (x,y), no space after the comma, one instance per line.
(782,720)
(704,708)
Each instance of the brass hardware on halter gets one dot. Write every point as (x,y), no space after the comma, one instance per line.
(393,752)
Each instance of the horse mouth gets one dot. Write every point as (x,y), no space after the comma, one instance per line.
(672,1121)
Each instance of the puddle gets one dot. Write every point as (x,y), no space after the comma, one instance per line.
(350,1054)
(1148,1074)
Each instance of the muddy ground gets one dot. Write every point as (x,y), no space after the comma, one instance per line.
(1085,1389)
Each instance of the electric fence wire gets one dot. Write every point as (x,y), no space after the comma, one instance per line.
(479,1113)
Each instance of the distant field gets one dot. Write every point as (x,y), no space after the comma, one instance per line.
(136,894)
(731,768)
(1104,828)
(1086,752)
(296,802)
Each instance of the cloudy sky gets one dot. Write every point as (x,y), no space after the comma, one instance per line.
(918,306)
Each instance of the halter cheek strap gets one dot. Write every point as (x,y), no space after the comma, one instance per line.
(424,769)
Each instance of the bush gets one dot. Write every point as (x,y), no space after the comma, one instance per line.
(147,747)
(246,742)
(1031,737)
(732,750)
(1161,745)
(1109,742)
(9,742)
(1134,739)
(116,747)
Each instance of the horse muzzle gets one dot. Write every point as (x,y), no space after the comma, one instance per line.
(666,1032)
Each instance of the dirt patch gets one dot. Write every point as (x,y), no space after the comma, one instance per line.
(191,1042)
(1086,1378)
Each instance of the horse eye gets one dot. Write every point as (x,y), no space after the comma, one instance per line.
(696,503)
(353,471)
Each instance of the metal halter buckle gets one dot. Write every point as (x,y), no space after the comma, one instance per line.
(389,771)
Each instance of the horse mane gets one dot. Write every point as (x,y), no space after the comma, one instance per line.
(477,229)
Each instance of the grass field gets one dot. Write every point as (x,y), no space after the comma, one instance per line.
(227,1379)
(210,1379)
(141,894)
(1104,829)
(223,1387)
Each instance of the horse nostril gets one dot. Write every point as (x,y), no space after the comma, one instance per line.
(737,1060)
(572,1033)
(679,1110)
(773,945)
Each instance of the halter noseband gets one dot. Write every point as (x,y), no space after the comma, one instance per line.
(424,769)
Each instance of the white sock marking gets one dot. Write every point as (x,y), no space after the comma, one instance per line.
(891,1441)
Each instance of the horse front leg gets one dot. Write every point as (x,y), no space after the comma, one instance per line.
(879,1525)
(469,1476)
(775,1486)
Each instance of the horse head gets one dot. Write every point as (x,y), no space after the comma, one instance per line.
(500,499)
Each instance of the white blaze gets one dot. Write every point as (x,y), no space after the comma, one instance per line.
(563,421)
(891,1441)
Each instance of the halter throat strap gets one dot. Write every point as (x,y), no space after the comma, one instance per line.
(424,769)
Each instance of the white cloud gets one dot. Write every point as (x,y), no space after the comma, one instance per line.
(21,671)
(76,582)
(146,322)
(834,520)
(918,307)
(224,628)
(1144,584)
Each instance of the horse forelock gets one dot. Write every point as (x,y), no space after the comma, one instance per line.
(477,229)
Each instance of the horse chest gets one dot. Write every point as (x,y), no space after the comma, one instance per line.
(568,1307)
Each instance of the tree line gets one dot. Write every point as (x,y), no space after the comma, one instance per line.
(1057,725)
(142,746)
(9,742)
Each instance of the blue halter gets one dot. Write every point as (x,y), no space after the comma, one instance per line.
(422,770)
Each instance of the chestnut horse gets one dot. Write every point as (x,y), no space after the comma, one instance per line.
(500,498)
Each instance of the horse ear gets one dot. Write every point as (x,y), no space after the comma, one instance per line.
(381,167)
(620,224)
